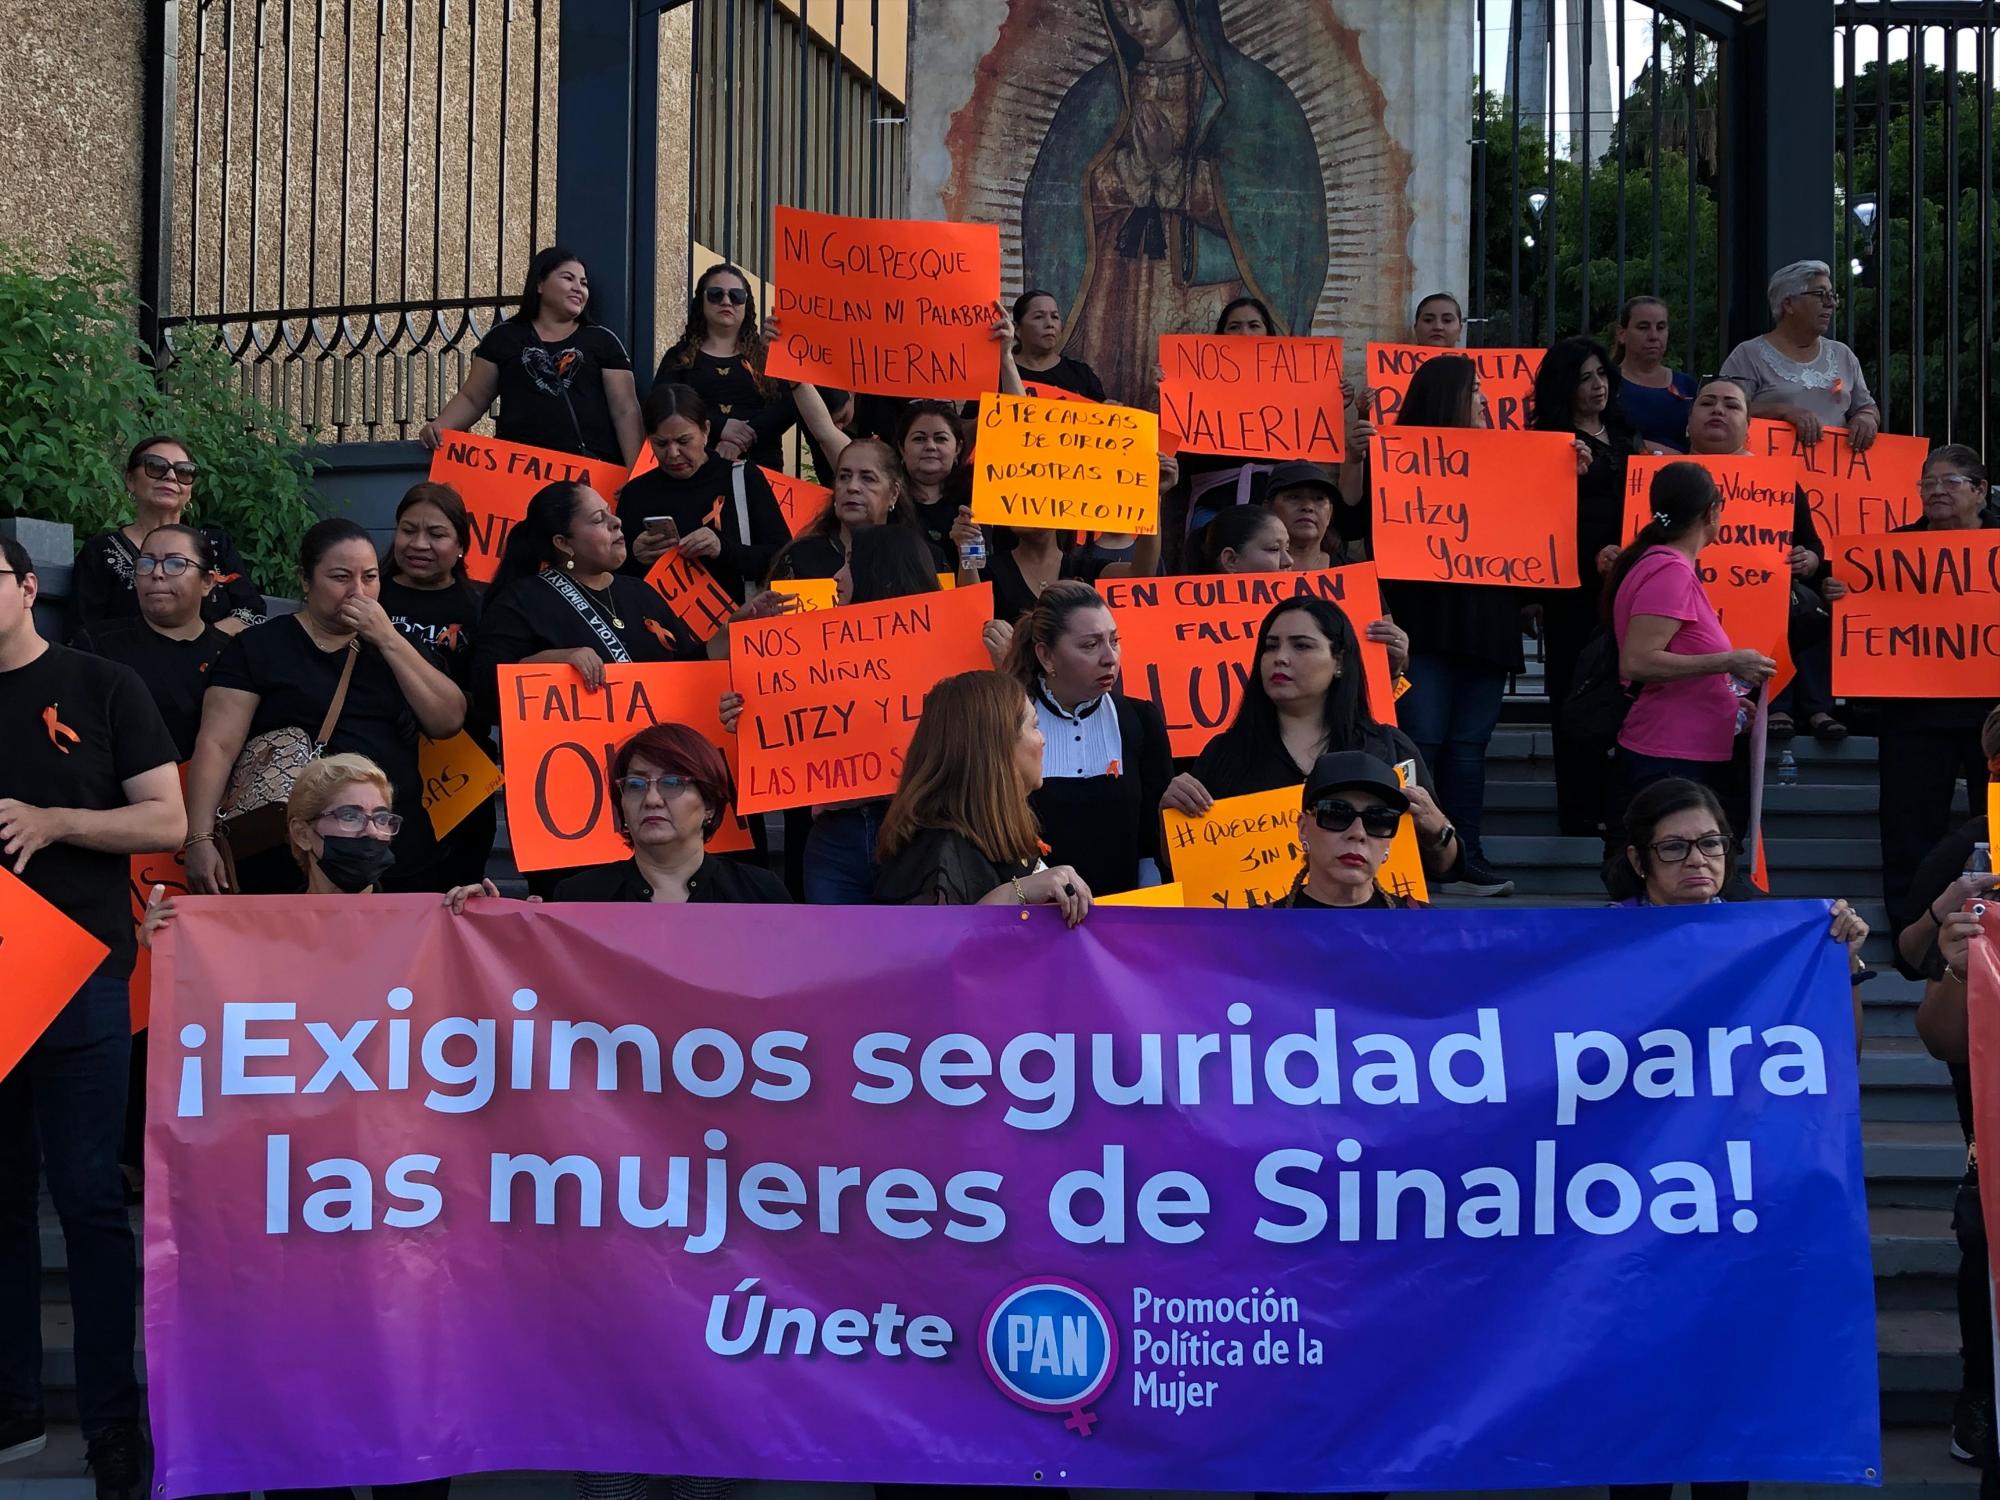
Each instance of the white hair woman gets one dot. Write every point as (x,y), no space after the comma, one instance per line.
(1797,374)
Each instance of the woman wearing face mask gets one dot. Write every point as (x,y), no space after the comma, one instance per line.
(960,830)
(287,674)
(1349,815)
(719,512)
(1038,333)
(721,358)
(160,479)
(1105,757)
(562,381)
(868,490)
(1306,698)
(1653,396)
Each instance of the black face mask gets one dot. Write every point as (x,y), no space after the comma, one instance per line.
(355,862)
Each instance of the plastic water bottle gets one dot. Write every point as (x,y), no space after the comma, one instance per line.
(1980,863)
(1788,769)
(972,554)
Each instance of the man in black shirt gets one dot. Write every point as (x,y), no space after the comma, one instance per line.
(87,780)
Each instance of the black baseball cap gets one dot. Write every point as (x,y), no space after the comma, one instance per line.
(1293,473)
(1354,768)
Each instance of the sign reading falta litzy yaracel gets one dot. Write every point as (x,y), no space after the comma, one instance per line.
(1274,1200)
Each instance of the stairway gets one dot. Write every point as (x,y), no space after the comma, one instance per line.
(1823,843)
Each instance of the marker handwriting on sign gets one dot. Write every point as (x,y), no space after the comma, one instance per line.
(1849,490)
(1265,398)
(1922,615)
(1506,380)
(1066,465)
(1467,505)
(1746,570)
(497,480)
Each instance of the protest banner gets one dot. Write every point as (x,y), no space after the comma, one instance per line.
(1045,392)
(832,697)
(1465,505)
(1253,397)
(1506,380)
(1164,1229)
(1066,466)
(802,501)
(1849,492)
(1921,618)
(1982,986)
(558,737)
(692,593)
(1746,572)
(1245,852)
(497,480)
(1169,894)
(894,307)
(1187,641)
(458,776)
(167,869)
(44,959)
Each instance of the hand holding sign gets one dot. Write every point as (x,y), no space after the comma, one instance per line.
(44,960)
(1849,490)
(497,480)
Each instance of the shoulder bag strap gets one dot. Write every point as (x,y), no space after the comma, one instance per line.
(609,639)
(339,697)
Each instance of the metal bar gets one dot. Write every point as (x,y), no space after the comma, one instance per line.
(766,128)
(1919,417)
(644,217)
(1986,40)
(1653,163)
(1882,245)
(728,132)
(1514,166)
(1582,42)
(1847,91)
(346,146)
(1551,217)
(409,99)
(1693,163)
(472,92)
(195,216)
(285,167)
(256,143)
(535,140)
(500,144)
(156,211)
(696,92)
(1624,151)
(874,108)
(1952,332)
(375,165)
(1475,299)
(318,134)
(803,103)
(836,101)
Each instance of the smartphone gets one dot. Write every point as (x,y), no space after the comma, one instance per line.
(664,524)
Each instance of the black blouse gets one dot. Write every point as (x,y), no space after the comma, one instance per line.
(175,672)
(728,388)
(445,621)
(1067,374)
(716,881)
(1103,826)
(940,867)
(707,497)
(101,586)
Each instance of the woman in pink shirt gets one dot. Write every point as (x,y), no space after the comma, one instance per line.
(1694,687)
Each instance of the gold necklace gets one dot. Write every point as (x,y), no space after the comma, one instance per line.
(603,602)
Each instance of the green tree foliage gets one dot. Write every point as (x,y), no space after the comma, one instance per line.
(76,391)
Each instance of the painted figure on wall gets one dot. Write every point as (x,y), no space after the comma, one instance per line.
(1177,174)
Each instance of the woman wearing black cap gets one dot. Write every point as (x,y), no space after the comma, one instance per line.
(1348,818)
(1318,522)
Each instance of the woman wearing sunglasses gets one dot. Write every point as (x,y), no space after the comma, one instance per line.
(1349,815)
(160,479)
(721,356)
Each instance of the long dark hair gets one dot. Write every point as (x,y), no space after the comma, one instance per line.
(531,544)
(447,502)
(1555,391)
(749,339)
(1681,497)
(1440,394)
(1254,736)
(1222,318)
(1230,531)
(1651,806)
(672,399)
(539,270)
(888,562)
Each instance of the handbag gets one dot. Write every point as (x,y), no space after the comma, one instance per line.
(251,818)
(1598,700)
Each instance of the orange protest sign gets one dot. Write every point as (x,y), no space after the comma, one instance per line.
(1746,572)
(1066,466)
(1246,852)
(458,776)
(1850,493)
(691,592)
(894,307)
(1170,894)
(1187,642)
(44,959)
(559,737)
(1051,393)
(812,593)
(497,480)
(1467,505)
(1262,398)
(1506,380)
(1921,618)
(801,501)
(1992,808)
(168,869)
(831,698)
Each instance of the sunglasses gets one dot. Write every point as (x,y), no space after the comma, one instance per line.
(155,467)
(669,785)
(1377,822)
(352,819)
(172,565)
(721,294)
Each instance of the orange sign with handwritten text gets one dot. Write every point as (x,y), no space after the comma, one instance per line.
(497,480)
(1246,852)
(559,737)
(1848,492)
(894,307)
(1746,572)
(1468,505)
(1067,466)
(1257,398)
(832,697)
(1921,618)
(1506,380)
(802,501)
(44,959)
(691,592)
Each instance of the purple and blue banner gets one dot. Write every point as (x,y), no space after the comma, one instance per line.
(1262,1200)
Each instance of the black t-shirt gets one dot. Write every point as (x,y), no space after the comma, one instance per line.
(810,556)
(295,682)
(443,621)
(728,388)
(101,585)
(174,672)
(707,497)
(1600,500)
(552,395)
(1476,620)
(1067,374)
(941,868)
(716,882)
(1230,771)
(1378,900)
(77,728)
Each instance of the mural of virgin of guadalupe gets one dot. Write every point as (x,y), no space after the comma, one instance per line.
(1177,173)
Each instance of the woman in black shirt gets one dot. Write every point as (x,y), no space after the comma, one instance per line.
(1307,698)
(959,831)
(721,356)
(562,381)
(723,512)
(669,789)
(169,645)
(285,673)
(869,489)
(1349,815)
(160,479)
(1038,331)
(1105,758)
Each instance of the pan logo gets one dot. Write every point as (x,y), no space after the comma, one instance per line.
(1050,1344)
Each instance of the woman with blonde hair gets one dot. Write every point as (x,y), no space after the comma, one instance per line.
(960,831)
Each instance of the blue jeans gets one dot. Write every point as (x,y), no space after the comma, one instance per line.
(840,856)
(62,1110)
(1451,711)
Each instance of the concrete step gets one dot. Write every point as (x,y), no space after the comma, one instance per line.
(1916,1258)
(1912,1163)
(1902,1081)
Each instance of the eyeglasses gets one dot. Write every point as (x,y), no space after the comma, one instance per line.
(722,294)
(156,467)
(1944,484)
(1676,851)
(173,565)
(1377,822)
(1830,298)
(669,785)
(352,819)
